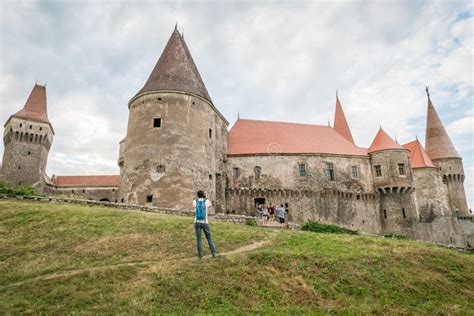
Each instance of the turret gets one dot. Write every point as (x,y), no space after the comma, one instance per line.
(340,123)
(393,180)
(176,138)
(28,136)
(443,154)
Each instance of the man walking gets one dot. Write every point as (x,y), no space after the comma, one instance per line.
(201,207)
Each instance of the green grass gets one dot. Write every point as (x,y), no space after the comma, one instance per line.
(296,273)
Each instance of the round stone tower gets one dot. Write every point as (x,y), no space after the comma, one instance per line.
(443,154)
(393,180)
(28,136)
(176,139)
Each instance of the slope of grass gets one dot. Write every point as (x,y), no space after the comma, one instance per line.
(47,252)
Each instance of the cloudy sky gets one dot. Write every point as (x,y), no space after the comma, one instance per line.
(268,60)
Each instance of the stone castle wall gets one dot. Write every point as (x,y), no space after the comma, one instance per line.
(104,194)
(171,162)
(27,145)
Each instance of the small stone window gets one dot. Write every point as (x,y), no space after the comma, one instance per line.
(149,198)
(210,133)
(161,169)
(403,213)
(21,125)
(258,172)
(210,176)
(83,191)
(19,167)
(157,122)
(401,169)
(159,99)
(330,171)
(235,172)
(29,153)
(302,169)
(378,170)
(355,172)
(41,128)
(31,126)
(19,182)
(385,214)
(121,201)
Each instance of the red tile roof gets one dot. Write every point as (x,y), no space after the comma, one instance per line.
(418,156)
(35,107)
(266,137)
(437,143)
(383,141)
(340,122)
(86,181)
(176,70)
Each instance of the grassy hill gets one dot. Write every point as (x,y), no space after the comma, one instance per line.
(59,258)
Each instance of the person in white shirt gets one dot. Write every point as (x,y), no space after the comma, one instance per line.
(201,222)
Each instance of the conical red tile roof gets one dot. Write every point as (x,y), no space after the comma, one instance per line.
(340,122)
(175,70)
(383,141)
(35,108)
(266,137)
(437,143)
(418,156)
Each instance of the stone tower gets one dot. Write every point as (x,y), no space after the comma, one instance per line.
(28,137)
(443,154)
(393,180)
(176,140)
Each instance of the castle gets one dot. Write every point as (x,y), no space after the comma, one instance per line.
(178,142)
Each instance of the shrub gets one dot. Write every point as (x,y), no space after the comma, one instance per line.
(317,227)
(394,236)
(251,222)
(6,188)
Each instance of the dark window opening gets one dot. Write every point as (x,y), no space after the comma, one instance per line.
(83,191)
(29,153)
(401,169)
(72,191)
(159,99)
(210,177)
(19,167)
(21,125)
(157,122)
(235,172)
(358,196)
(160,169)
(355,172)
(121,201)
(302,169)
(194,103)
(210,133)
(363,222)
(258,172)
(41,128)
(330,171)
(385,214)
(31,126)
(378,171)
(403,213)
(149,198)
(19,182)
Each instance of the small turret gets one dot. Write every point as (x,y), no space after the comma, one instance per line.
(27,138)
(443,154)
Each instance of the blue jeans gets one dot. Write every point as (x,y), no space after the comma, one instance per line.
(207,231)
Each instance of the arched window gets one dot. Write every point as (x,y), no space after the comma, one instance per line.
(258,172)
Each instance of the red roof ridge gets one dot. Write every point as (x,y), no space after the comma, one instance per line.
(383,141)
(35,107)
(283,122)
(340,122)
(176,70)
(418,156)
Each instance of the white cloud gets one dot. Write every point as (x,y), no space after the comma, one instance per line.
(278,61)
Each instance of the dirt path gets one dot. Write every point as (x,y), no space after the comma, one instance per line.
(245,248)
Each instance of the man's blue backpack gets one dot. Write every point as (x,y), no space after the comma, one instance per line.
(201,210)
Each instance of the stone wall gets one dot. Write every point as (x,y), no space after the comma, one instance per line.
(347,201)
(27,145)
(171,162)
(105,194)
